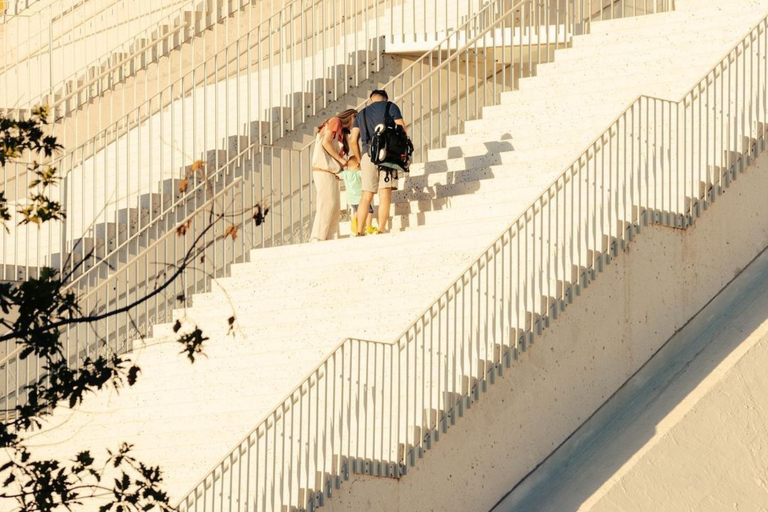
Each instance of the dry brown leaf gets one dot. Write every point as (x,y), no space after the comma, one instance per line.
(197,165)
(183,228)
(231,231)
(183,185)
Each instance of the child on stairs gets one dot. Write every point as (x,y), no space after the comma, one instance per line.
(354,187)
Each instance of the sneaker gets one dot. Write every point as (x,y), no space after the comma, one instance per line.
(372,230)
(354,225)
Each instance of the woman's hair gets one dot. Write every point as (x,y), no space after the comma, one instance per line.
(346,122)
(346,117)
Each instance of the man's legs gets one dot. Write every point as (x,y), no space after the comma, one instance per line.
(370,184)
(362,210)
(385,199)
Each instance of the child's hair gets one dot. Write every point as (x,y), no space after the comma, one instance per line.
(353,162)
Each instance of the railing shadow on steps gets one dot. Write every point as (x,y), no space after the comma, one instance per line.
(92,41)
(71,86)
(63,22)
(68,95)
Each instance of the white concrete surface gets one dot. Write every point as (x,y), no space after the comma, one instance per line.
(286,325)
(688,430)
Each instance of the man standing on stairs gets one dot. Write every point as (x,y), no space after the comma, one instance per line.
(374,180)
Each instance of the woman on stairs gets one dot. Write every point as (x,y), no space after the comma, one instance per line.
(329,157)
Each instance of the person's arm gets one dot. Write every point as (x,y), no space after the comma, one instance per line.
(354,143)
(398,116)
(328,146)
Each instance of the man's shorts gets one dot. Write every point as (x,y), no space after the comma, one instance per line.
(372,179)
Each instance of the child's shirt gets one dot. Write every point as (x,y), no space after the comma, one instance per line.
(353,183)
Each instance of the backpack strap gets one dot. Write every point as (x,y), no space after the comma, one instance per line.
(364,128)
(388,117)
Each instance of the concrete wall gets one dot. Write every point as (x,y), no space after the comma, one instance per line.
(610,331)
(715,455)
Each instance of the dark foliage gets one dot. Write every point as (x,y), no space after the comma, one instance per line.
(33,316)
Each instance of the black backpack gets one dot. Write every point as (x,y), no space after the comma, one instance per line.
(390,146)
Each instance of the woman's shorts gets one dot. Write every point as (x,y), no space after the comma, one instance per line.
(373,179)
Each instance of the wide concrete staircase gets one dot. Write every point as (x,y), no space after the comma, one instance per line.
(292,305)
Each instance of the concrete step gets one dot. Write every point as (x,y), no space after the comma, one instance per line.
(492,152)
(538,140)
(295,304)
(349,251)
(507,178)
(579,64)
(639,76)
(695,21)
(344,264)
(547,127)
(272,313)
(435,184)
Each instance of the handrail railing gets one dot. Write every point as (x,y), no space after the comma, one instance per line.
(48,48)
(47,77)
(47,35)
(372,406)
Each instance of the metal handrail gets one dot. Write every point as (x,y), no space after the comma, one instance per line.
(104,74)
(122,47)
(80,22)
(157,102)
(169,20)
(104,262)
(252,149)
(96,298)
(517,341)
(134,117)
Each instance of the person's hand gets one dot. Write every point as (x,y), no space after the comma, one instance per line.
(353,164)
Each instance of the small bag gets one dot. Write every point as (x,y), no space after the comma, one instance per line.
(320,157)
